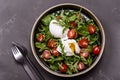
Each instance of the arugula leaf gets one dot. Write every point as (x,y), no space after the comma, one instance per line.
(62,48)
(46,20)
(90,22)
(72,62)
(75,67)
(53,59)
(93,38)
(48,36)
(89,60)
(89,48)
(41,46)
(42,28)
(73,17)
(69,71)
(82,29)
(54,66)
(62,23)
(45,30)
(83,60)
(67,13)
(72,65)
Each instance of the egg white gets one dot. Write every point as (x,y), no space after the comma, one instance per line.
(56,30)
(67,49)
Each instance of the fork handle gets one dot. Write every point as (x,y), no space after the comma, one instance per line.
(34,67)
(29,72)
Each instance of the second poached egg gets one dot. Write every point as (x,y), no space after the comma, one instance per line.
(70,47)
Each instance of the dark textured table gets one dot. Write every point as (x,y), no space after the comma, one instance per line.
(18,16)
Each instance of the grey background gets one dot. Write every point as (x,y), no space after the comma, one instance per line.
(18,16)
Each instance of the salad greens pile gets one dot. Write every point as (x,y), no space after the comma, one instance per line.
(70,19)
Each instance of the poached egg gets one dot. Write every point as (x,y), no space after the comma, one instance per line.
(70,47)
(56,30)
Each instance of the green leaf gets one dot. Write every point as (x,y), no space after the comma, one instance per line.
(73,17)
(75,67)
(46,20)
(83,60)
(42,28)
(72,62)
(53,16)
(67,12)
(69,71)
(89,48)
(53,59)
(62,48)
(89,60)
(62,23)
(59,58)
(48,36)
(90,22)
(53,67)
(93,38)
(41,46)
(76,58)
(82,29)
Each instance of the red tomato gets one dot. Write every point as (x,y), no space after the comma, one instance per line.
(84,53)
(63,69)
(73,24)
(55,52)
(96,50)
(91,29)
(80,66)
(83,43)
(46,54)
(51,43)
(40,37)
(71,34)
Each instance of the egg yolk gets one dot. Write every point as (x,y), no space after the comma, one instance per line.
(72,47)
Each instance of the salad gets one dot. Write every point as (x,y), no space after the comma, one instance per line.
(68,41)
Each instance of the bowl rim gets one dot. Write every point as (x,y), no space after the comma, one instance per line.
(67,75)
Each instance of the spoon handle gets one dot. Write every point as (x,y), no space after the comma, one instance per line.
(29,72)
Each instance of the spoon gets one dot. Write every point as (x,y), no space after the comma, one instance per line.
(24,53)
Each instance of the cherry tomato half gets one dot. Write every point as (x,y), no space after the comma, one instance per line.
(51,43)
(91,29)
(80,66)
(63,69)
(71,34)
(96,50)
(46,54)
(83,43)
(40,37)
(84,53)
(55,52)
(73,24)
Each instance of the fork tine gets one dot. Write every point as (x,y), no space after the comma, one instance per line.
(14,50)
(17,50)
(17,54)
